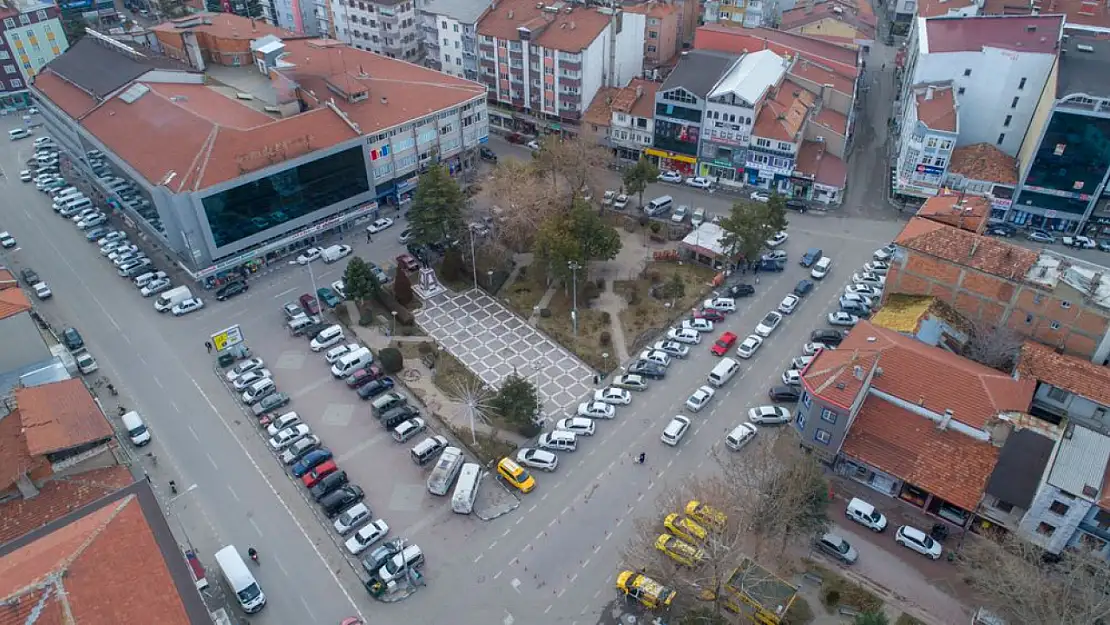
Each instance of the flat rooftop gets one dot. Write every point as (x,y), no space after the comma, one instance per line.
(1084,65)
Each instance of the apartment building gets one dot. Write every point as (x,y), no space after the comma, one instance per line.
(662,31)
(929,131)
(982,169)
(386,27)
(846,22)
(450,29)
(544,63)
(680,108)
(32,35)
(623,119)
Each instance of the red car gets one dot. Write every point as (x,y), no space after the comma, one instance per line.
(711,314)
(407,262)
(362,376)
(516,137)
(310,304)
(720,348)
(322,470)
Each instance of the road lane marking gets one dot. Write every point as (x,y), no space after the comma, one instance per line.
(479,558)
(193,432)
(514,561)
(540,535)
(561,591)
(492,545)
(549,608)
(306,606)
(173,404)
(315,385)
(544,498)
(209,456)
(640,498)
(506,532)
(496,575)
(255,525)
(596,549)
(277,561)
(157,381)
(553,522)
(286,292)
(233,494)
(363,446)
(533,507)
(586,563)
(519,519)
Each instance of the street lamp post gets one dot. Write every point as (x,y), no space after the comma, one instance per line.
(489,281)
(574,267)
(312,278)
(473,259)
(393,332)
(180,523)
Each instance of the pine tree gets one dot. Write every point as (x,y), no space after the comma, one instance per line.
(402,287)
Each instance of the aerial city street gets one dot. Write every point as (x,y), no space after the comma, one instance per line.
(555,313)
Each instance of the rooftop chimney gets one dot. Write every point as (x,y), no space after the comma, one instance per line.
(943,424)
(928,93)
(857,372)
(385,100)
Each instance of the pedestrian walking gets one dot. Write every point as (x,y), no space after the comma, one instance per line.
(369,237)
(208,346)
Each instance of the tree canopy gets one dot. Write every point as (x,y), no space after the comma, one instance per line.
(360,283)
(749,224)
(637,177)
(518,403)
(437,207)
(579,235)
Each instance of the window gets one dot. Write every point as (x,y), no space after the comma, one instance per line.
(931,143)
(1006,122)
(806,399)
(17,83)
(653,34)
(967,72)
(41,15)
(1055,325)
(822,436)
(651,48)
(1058,394)
(828,415)
(1021,85)
(1065,304)
(4,56)
(456,28)
(9,69)
(1001,138)
(1028,319)
(940,162)
(801,421)
(1059,507)
(24,19)
(946,145)
(1013,103)
(960,91)
(1004,506)
(1045,529)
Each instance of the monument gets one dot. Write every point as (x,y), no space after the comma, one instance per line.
(429,285)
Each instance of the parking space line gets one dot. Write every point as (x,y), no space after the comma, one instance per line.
(285,292)
(233,493)
(361,447)
(311,387)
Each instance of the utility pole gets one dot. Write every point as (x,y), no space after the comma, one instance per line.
(574,267)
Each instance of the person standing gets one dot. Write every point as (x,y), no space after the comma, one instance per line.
(208,346)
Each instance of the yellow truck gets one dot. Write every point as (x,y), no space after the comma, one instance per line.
(650,593)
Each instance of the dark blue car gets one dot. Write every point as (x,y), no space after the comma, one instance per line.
(375,387)
(803,287)
(310,461)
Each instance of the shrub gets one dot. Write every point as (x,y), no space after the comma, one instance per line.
(545,312)
(590,291)
(644,219)
(606,318)
(404,315)
(656,227)
(832,598)
(391,359)
(600,282)
(402,287)
(605,339)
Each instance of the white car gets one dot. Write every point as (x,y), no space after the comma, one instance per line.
(675,430)
(533,145)
(7,240)
(670,176)
(607,197)
(42,291)
(679,214)
(115,235)
(840,318)
(332,335)
(683,335)
(865,290)
(25,176)
(777,240)
(811,349)
(868,278)
(286,420)
(630,381)
(83,214)
(740,435)
(576,425)
(697,324)
(760,196)
(596,410)
(700,398)
(917,540)
(698,182)
(768,324)
(192,304)
(247,365)
(369,534)
(801,362)
(789,303)
(769,415)
(379,224)
(288,436)
(117,247)
(537,459)
(351,518)
(884,253)
(340,288)
(749,346)
(698,218)
(154,287)
(339,351)
(678,350)
(613,395)
(876,267)
(658,357)
(849,299)
(92,221)
(792,377)
(723,304)
(242,382)
(621,201)
(309,255)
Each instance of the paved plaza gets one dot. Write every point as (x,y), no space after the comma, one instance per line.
(493,342)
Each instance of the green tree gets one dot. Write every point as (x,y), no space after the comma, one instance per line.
(749,224)
(637,177)
(871,618)
(776,212)
(402,287)
(579,235)
(518,404)
(437,207)
(73,25)
(452,267)
(360,282)
(675,287)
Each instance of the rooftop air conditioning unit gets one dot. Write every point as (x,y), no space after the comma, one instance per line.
(1082,47)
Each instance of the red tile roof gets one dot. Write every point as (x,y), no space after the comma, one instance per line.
(67,96)
(1075,375)
(60,415)
(600,112)
(821,75)
(569,32)
(983,161)
(15,460)
(837,122)
(930,377)
(738,40)
(862,21)
(948,464)
(940,8)
(969,212)
(12,302)
(813,160)
(783,115)
(58,497)
(987,254)
(102,569)
(642,105)
(972,34)
(1081,12)
(936,108)
(223,26)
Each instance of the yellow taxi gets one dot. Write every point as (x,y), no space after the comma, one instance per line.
(515,475)
(650,593)
(706,515)
(685,528)
(679,551)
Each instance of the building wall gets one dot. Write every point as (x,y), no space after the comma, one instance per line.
(1045,526)
(921,146)
(1094,533)
(835,143)
(665,42)
(389,29)
(822,426)
(23,344)
(827,27)
(1002,512)
(1041,114)
(831,98)
(630,46)
(31,40)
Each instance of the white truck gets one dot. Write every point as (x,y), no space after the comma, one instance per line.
(169,299)
(335,252)
(86,364)
(447,469)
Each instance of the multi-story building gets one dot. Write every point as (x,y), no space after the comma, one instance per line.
(998,67)
(299,16)
(212,38)
(929,131)
(984,170)
(1064,159)
(1053,299)
(662,31)
(450,29)
(623,119)
(334,132)
(387,27)
(680,108)
(846,22)
(746,13)
(547,62)
(32,36)
(777,137)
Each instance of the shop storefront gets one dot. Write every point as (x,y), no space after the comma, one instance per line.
(721,169)
(999,207)
(671,161)
(1047,220)
(801,187)
(1098,227)
(15,101)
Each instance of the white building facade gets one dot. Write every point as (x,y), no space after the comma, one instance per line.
(450,35)
(929,132)
(391,29)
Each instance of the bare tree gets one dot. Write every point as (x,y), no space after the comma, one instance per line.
(571,165)
(994,346)
(1016,581)
(522,202)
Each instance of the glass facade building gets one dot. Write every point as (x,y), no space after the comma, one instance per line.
(1069,164)
(252,207)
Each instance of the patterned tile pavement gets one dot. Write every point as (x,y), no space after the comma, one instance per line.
(492,341)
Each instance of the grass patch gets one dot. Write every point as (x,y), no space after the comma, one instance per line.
(800,613)
(587,345)
(645,312)
(489,449)
(837,591)
(906,619)
(525,292)
(450,375)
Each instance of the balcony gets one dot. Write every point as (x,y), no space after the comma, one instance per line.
(571,66)
(570,82)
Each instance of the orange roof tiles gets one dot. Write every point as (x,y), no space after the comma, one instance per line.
(600,112)
(782,117)
(838,375)
(860,19)
(12,302)
(67,96)
(15,460)
(223,26)
(1075,375)
(837,122)
(569,32)
(948,464)
(58,497)
(642,105)
(736,40)
(969,212)
(821,75)
(89,570)
(983,161)
(814,160)
(987,254)
(60,415)
(936,108)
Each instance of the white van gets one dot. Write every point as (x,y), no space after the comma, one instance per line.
(723,372)
(559,440)
(659,205)
(410,558)
(136,429)
(466,491)
(42,141)
(335,252)
(326,338)
(821,268)
(239,578)
(149,277)
(355,360)
(446,470)
(171,298)
(75,205)
(18,133)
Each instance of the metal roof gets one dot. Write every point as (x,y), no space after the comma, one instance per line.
(1081,463)
(750,79)
(699,70)
(1020,466)
(465,11)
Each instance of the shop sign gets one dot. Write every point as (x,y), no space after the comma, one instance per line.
(1057,192)
(406,185)
(1102,221)
(930,170)
(1001,204)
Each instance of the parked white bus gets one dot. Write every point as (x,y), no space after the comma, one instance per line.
(466,491)
(447,468)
